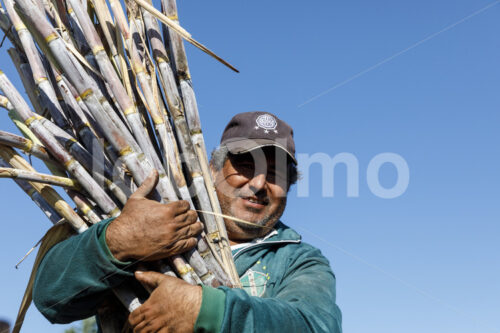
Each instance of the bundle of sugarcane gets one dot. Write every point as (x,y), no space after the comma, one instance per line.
(111,100)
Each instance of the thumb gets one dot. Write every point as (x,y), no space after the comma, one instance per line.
(150,280)
(147,186)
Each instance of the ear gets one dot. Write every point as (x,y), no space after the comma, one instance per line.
(214,174)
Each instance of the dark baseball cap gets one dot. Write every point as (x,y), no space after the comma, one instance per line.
(248,131)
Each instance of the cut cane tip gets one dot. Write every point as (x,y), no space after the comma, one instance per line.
(175,26)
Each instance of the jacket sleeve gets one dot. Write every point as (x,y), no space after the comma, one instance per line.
(305,302)
(76,275)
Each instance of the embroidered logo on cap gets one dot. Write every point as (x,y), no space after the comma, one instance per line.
(266,122)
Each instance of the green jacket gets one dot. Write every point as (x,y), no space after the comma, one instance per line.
(288,285)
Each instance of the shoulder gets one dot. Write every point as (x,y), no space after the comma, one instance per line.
(298,252)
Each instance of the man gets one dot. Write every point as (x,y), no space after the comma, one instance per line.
(287,285)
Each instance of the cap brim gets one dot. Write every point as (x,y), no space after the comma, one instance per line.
(247,145)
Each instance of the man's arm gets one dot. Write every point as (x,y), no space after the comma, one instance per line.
(76,275)
(305,302)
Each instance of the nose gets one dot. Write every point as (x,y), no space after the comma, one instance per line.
(258,182)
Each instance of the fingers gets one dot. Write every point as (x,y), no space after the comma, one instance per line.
(179,207)
(150,325)
(185,219)
(191,230)
(136,316)
(142,319)
(137,319)
(150,279)
(190,243)
(147,186)
(185,245)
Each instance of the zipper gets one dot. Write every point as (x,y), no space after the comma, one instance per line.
(264,243)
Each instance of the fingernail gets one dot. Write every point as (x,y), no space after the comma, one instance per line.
(139,272)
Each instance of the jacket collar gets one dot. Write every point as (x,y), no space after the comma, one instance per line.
(282,235)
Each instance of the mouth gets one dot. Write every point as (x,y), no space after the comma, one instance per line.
(256,202)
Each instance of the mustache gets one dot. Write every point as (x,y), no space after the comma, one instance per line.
(246,193)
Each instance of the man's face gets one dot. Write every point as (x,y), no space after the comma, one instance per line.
(253,187)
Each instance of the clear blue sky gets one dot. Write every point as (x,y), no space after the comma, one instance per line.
(417,78)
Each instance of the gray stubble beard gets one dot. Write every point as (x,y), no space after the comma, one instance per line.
(256,230)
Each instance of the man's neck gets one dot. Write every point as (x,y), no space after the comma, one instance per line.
(237,241)
(234,242)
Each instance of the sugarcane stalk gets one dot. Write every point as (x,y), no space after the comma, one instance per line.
(44,206)
(192,117)
(66,211)
(178,57)
(208,254)
(28,146)
(147,123)
(38,177)
(53,166)
(46,191)
(220,235)
(139,71)
(176,108)
(80,122)
(23,111)
(76,114)
(159,53)
(6,26)
(125,73)
(88,59)
(52,44)
(123,99)
(184,270)
(57,11)
(85,207)
(136,27)
(81,129)
(77,34)
(26,75)
(47,93)
(61,9)
(174,103)
(86,126)
(204,271)
(89,102)
(182,32)
(99,169)
(74,70)
(46,5)
(155,113)
(148,98)
(104,87)
(205,265)
(71,165)
(108,29)
(80,80)
(133,45)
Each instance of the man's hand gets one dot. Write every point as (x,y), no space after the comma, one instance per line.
(148,230)
(172,307)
